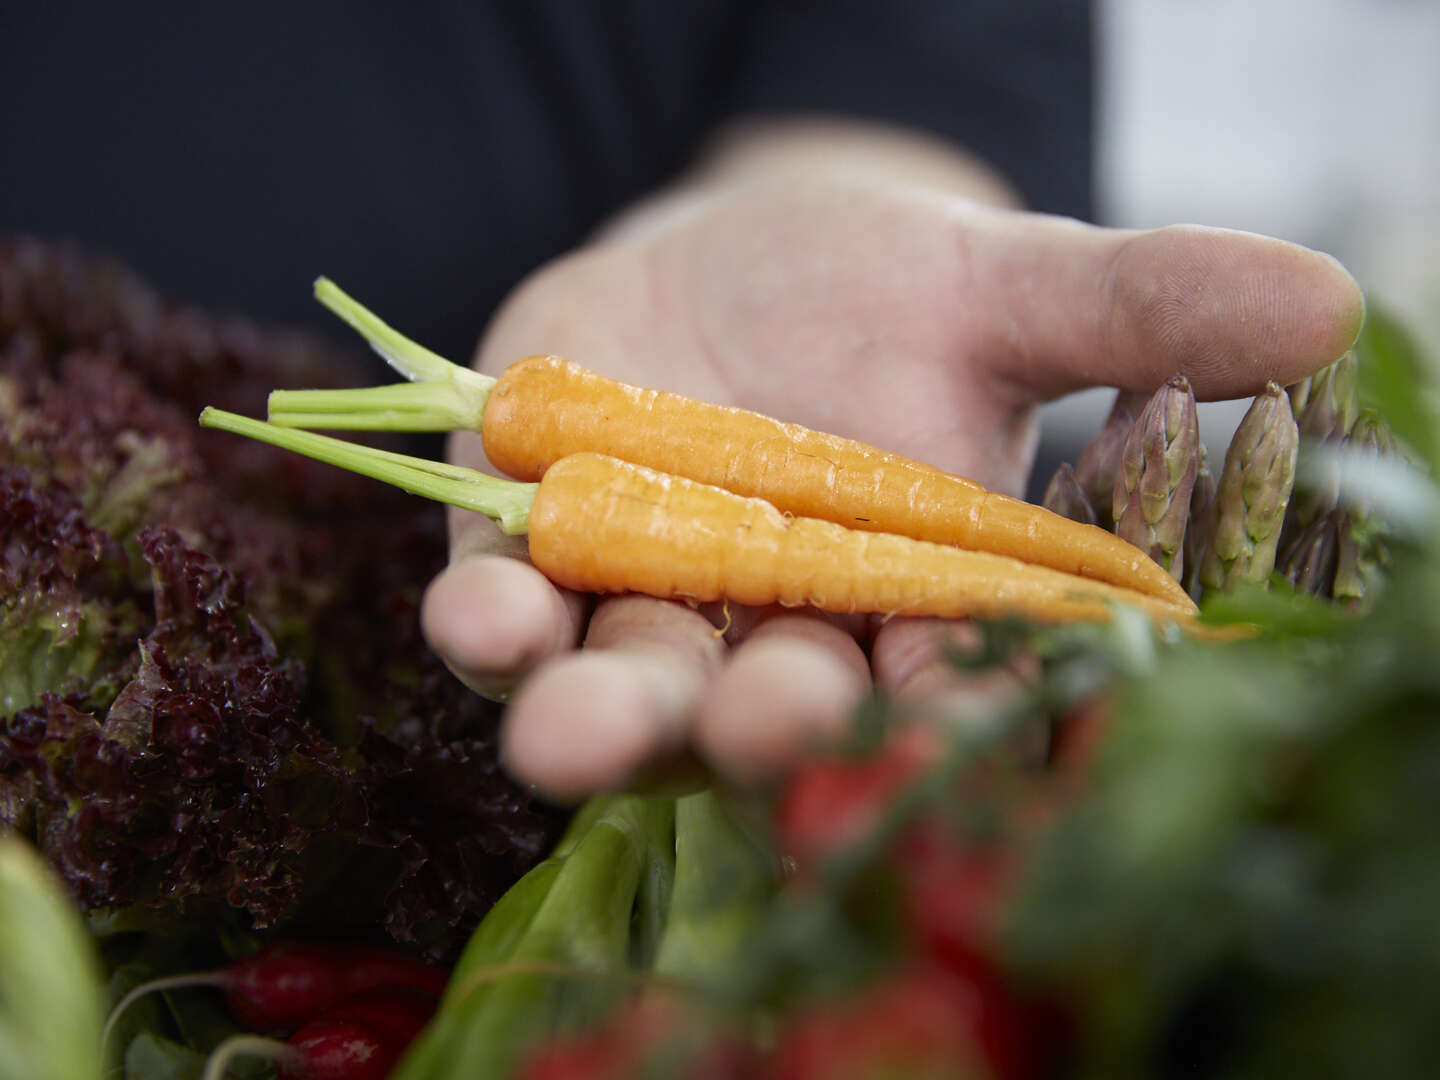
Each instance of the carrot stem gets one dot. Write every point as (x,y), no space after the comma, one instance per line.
(409,358)
(507,502)
(422,406)
(445,396)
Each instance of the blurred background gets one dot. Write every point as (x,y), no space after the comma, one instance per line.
(1316,121)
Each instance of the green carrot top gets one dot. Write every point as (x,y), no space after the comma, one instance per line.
(441,396)
(507,502)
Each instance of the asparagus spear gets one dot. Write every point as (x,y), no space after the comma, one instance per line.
(1299,395)
(1321,493)
(1361,534)
(1200,533)
(1151,497)
(1254,490)
(1333,402)
(1329,410)
(1066,496)
(1309,562)
(1096,466)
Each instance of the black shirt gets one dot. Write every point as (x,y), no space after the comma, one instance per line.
(428,154)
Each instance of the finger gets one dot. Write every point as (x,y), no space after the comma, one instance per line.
(914,662)
(490,615)
(791,684)
(492,619)
(597,719)
(1082,306)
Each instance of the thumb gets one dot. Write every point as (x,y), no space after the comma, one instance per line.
(1090,306)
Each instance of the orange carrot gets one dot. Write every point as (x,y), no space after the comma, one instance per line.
(544,408)
(602,525)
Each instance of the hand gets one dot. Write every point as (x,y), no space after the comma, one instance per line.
(897,313)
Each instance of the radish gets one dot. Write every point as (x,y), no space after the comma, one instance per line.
(359,1038)
(339,1050)
(286,984)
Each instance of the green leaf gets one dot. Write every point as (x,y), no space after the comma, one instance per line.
(52,1000)
(1279,609)
(1399,381)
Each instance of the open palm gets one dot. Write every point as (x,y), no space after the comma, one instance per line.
(912,320)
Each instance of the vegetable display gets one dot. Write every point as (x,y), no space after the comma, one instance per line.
(544,408)
(224,750)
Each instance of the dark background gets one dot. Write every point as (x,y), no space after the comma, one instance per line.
(427,155)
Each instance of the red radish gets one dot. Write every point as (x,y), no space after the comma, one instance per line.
(918,1021)
(285,984)
(617,1048)
(340,1050)
(397,1013)
(631,1042)
(321,1050)
(828,805)
(955,894)
(360,1038)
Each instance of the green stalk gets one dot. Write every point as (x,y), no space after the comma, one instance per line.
(722,883)
(562,969)
(1200,533)
(1311,561)
(504,926)
(1360,531)
(1333,402)
(506,502)
(509,917)
(410,359)
(1331,409)
(657,887)
(402,407)
(1353,571)
(445,397)
(1299,394)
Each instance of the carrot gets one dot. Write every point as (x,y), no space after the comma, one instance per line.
(544,408)
(602,525)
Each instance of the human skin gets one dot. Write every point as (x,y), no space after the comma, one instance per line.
(871,283)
